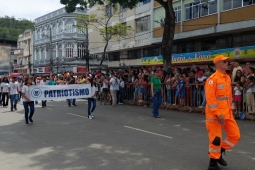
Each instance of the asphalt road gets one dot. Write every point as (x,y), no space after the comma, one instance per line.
(121,138)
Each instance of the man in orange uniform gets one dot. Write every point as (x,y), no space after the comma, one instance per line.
(219,113)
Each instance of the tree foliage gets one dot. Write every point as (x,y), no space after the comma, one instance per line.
(169,21)
(102,24)
(10,28)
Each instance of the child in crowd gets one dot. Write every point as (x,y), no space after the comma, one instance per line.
(181,90)
(249,95)
(238,97)
(175,86)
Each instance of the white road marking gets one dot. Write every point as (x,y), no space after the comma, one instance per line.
(77,115)
(148,132)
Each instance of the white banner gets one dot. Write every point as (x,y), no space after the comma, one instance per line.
(59,92)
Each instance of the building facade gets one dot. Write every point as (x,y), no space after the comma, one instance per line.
(127,51)
(68,47)
(8,60)
(203,29)
(24,53)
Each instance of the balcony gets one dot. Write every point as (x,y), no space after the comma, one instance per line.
(141,9)
(70,36)
(57,13)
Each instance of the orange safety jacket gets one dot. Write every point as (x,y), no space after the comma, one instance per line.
(218,94)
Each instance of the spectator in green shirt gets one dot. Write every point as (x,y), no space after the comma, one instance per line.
(52,82)
(156,95)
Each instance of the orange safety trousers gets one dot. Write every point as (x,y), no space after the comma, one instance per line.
(214,129)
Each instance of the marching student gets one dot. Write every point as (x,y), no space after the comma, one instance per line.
(27,103)
(92,99)
(13,90)
(4,90)
(43,82)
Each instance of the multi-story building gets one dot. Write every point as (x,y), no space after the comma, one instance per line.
(8,60)
(24,53)
(69,43)
(204,28)
(129,50)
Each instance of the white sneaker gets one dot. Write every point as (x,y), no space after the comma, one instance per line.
(90,117)
(200,107)
(92,114)
(120,103)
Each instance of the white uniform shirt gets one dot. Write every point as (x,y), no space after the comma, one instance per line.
(13,88)
(5,87)
(43,83)
(19,86)
(114,83)
(122,84)
(25,90)
(93,90)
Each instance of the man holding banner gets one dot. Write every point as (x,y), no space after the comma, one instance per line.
(70,80)
(44,82)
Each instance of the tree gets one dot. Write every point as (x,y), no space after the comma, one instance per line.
(169,22)
(103,25)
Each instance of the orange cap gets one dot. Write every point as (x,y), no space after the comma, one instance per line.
(220,58)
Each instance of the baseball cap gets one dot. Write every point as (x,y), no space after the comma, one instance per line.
(201,73)
(220,58)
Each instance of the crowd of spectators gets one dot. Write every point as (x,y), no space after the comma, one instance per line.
(182,87)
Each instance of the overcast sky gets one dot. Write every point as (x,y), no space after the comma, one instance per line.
(28,9)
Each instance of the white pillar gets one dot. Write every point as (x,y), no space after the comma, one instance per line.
(56,47)
(63,50)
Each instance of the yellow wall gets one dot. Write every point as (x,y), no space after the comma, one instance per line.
(238,14)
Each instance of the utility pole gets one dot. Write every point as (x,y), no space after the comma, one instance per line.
(51,62)
(29,58)
(87,48)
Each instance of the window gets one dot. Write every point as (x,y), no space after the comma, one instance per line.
(134,54)
(114,56)
(81,29)
(81,49)
(108,10)
(54,51)
(38,34)
(42,33)
(152,51)
(144,2)
(44,54)
(178,12)
(200,9)
(143,24)
(231,4)
(60,27)
(122,9)
(60,50)
(48,31)
(54,29)
(69,26)
(69,50)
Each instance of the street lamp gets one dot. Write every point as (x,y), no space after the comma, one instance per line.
(84,48)
(50,46)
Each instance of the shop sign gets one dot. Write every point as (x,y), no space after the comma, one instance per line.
(155,60)
(233,53)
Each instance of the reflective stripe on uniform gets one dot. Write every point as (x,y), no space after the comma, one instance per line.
(229,143)
(209,119)
(222,98)
(213,106)
(221,86)
(214,150)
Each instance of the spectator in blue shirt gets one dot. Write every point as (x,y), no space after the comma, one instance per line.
(181,90)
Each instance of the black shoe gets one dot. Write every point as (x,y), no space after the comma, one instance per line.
(74,105)
(221,161)
(11,110)
(213,165)
(15,108)
(69,105)
(30,119)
